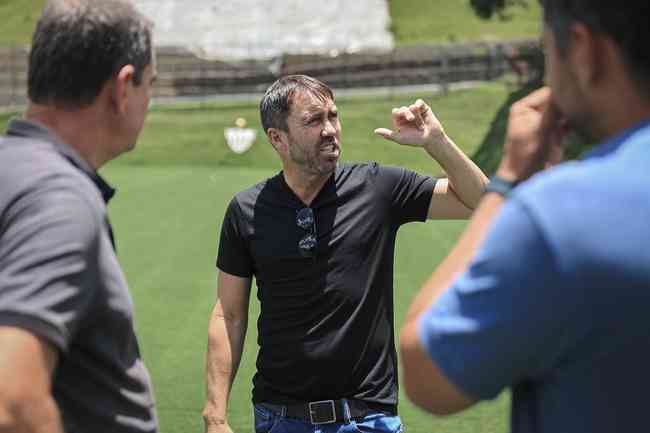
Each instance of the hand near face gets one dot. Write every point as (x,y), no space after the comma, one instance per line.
(534,141)
(415,125)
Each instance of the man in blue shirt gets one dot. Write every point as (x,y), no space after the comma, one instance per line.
(548,290)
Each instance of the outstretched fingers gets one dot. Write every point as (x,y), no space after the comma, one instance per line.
(386,133)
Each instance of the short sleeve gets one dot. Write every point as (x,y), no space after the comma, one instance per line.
(234,256)
(49,244)
(502,321)
(409,193)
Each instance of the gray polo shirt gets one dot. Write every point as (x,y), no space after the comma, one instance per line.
(60,279)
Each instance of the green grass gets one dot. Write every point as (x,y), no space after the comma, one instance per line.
(444,21)
(167,222)
(18,20)
(173,190)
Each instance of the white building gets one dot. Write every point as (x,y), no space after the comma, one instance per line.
(264,29)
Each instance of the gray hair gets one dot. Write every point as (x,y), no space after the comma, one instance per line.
(79,45)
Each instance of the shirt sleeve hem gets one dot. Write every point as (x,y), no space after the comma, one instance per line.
(429,194)
(445,364)
(236,273)
(35,326)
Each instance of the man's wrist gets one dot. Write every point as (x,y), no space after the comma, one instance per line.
(214,419)
(500,185)
(437,143)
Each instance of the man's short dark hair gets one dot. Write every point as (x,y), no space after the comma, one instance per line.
(276,102)
(79,45)
(625,22)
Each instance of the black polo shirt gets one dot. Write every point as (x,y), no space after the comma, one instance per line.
(60,280)
(326,325)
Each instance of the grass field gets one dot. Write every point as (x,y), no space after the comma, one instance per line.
(414,21)
(167,222)
(18,20)
(173,190)
(444,21)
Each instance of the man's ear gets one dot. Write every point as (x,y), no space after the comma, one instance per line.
(278,139)
(585,51)
(122,84)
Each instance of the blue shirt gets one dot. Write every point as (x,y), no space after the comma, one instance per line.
(556,302)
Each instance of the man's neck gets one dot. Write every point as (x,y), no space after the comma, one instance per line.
(75,129)
(623,106)
(305,186)
(624,120)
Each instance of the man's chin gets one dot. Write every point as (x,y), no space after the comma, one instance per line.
(121,151)
(329,165)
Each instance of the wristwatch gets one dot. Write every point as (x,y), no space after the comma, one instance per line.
(500,186)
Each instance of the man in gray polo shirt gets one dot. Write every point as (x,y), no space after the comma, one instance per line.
(69,358)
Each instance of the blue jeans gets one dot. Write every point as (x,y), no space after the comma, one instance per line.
(267,421)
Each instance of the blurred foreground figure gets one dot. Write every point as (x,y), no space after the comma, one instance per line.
(548,290)
(69,358)
(319,238)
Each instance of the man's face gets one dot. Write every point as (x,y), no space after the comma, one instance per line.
(567,93)
(314,134)
(139,105)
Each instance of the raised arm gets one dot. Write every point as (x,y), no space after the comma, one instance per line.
(26,366)
(534,142)
(456,196)
(226,333)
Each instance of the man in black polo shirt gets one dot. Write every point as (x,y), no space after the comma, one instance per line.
(69,357)
(319,238)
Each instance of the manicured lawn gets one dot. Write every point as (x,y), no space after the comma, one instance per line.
(18,20)
(444,21)
(167,222)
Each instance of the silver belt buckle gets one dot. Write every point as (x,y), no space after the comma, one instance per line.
(312,412)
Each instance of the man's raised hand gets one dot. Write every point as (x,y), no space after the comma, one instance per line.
(415,125)
(534,141)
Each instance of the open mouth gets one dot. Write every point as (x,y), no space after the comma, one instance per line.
(330,149)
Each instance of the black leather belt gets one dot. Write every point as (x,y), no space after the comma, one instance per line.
(329,411)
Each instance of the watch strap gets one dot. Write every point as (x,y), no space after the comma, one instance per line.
(500,186)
